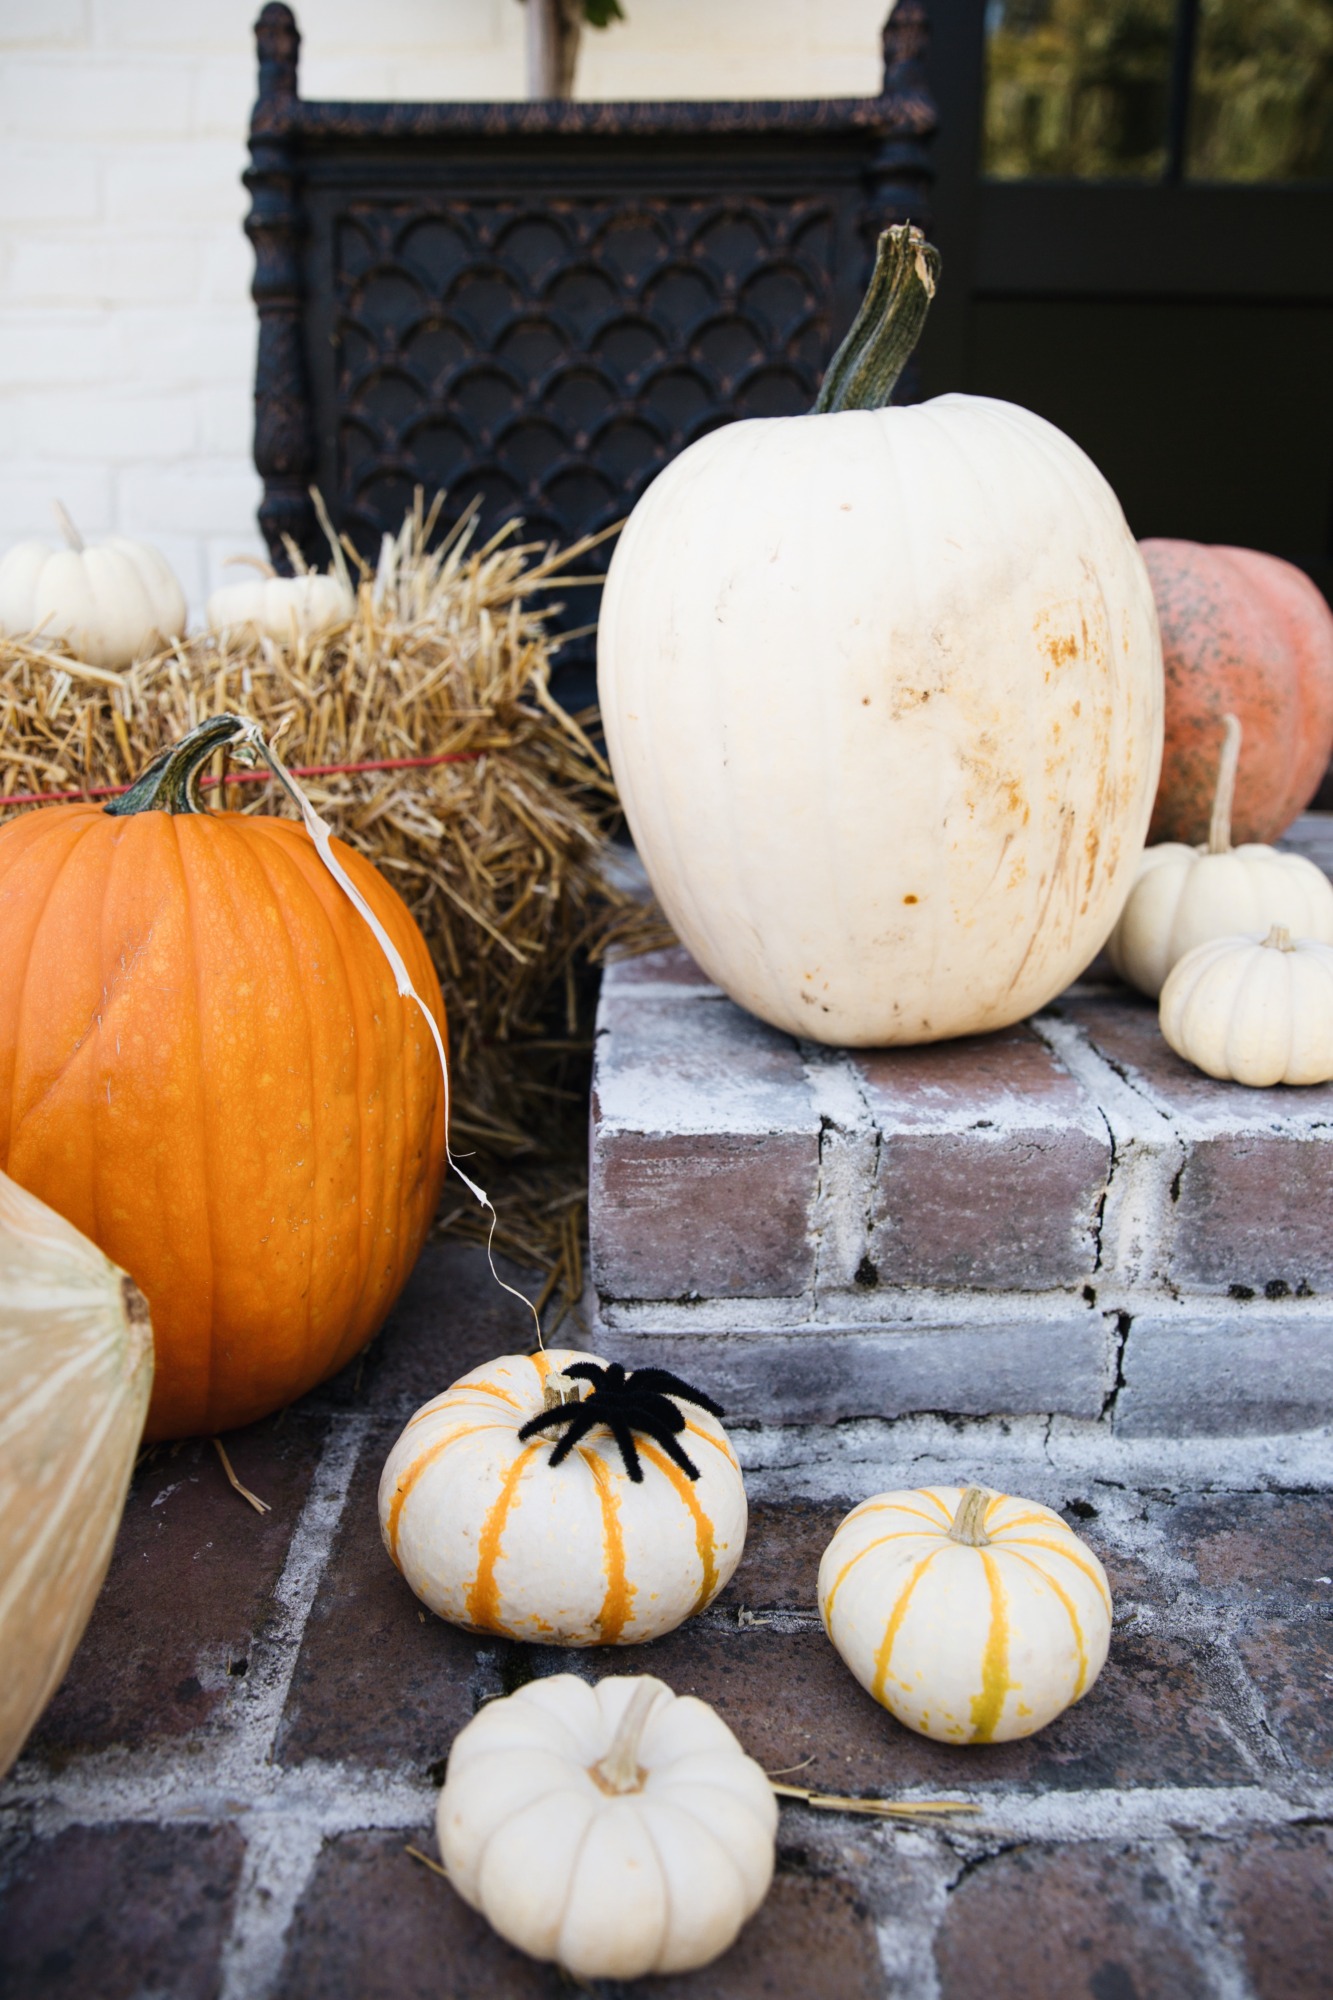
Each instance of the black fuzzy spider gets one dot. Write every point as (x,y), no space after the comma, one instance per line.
(625,1404)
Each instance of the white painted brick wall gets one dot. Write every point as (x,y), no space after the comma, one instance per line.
(126,327)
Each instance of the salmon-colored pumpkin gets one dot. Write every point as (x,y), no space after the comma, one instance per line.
(206,1067)
(1248,635)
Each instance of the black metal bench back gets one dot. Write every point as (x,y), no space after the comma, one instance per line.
(543,303)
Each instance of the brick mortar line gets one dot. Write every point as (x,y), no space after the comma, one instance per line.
(835,1461)
(1218,1957)
(338,1798)
(910,1309)
(276,1870)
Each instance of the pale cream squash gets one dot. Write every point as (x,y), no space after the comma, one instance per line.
(882,690)
(1254,1010)
(493,1536)
(973,1617)
(112,602)
(76,1366)
(286,609)
(1187,896)
(617,1829)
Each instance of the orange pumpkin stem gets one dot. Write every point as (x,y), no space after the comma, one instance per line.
(969,1522)
(1219,826)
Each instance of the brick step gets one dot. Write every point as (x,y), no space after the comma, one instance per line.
(1062,1217)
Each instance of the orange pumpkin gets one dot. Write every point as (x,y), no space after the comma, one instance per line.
(206,1067)
(1247,635)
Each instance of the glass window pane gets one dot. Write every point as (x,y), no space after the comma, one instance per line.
(1262,104)
(1077,89)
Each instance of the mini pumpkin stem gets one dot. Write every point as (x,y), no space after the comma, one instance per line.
(557,1390)
(171,782)
(1280,938)
(67,528)
(1219,826)
(619,1770)
(969,1522)
(864,371)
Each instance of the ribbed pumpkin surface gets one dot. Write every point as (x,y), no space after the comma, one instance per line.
(75,1370)
(965,1644)
(882,693)
(205,1066)
(492,1536)
(1247,635)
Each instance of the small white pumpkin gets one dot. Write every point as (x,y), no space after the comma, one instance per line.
(1255,1010)
(617,1829)
(111,602)
(286,609)
(495,1537)
(1185,896)
(971,1616)
(76,1366)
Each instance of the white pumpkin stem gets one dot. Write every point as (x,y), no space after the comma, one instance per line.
(969,1522)
(1219,826)
(1280,939)
(67,528)
(619,1770)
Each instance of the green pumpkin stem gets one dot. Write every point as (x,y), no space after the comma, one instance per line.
(864,371)
(171,782)
(969,1521)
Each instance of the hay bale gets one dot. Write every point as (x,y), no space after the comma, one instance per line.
(500,852)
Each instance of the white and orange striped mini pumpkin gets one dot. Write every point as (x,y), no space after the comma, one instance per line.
(494,1537)
(971,1616)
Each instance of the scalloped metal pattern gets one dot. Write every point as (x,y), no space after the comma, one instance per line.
(553,357)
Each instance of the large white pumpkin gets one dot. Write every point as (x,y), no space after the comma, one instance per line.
(112,602)
(882,691)
(494,1536)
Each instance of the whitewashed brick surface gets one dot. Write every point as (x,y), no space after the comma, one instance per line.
(126,328)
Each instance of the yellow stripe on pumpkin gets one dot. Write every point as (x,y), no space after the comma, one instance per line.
(483,1593)
(620,1592)
(899,1612)
(407,1480)
(703,1527)
(988,1706)
(1071,1610)
(900,1535)
(1071,1556)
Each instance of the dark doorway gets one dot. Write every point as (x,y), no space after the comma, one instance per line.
(1135,207)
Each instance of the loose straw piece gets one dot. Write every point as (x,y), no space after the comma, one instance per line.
(875,1808)
(426,1862)
(260,1506)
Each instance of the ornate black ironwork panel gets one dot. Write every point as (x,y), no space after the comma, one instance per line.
(551,357)
(542,304)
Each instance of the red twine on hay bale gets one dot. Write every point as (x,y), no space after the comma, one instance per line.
(252,777)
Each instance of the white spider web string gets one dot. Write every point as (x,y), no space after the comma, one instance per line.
(321,833)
